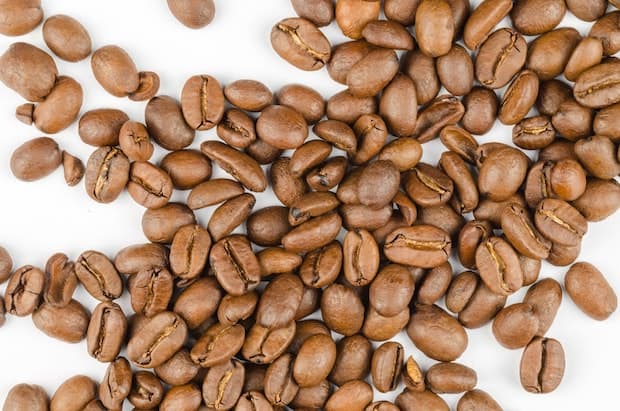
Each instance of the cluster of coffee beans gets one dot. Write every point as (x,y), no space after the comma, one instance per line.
(365,230)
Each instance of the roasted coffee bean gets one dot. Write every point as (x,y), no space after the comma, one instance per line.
(218,344)
(600,199)
(563,255)
(587,10)
(327,175)
(310,303)
(516,325)
(558,150)
(198,302)
(248,95)
(24,290)
(500,57)
(519,229)
(20,17)
(107,174)
(475,304)
(322,266)
(353,15)
(138,257)
(29,71)
(434,27)
(527,19)
(301,43)
(22,397)
(545,298)
(481,107)
(491,211)
(213,192)
(313,234)
(253,401)
(99,276)
(276,260)
(338,133)
(280,301)
(166,124)
(148,86)
(371,132)
(606,123)
(548,55)
(146,390)
(519,98)
(194,14)
(531,269)
(74,394)
(465,198)
(542,365)
(361,257)
(387,362)
(6,264)
(421,69)
(499,266)
(311,205)
(560,222)
(436,333)
(352,396)
(345,56)
(223,384)
(404,153)
(388,34)
(471,235)
(158,340)
(572,120)
(483,19)
(73,169)
(412,376)
(320,12)
(493,182)
(151,291)
(62,280)
(453,378)
(149,185)
(590,291)
(178,370)
(285,185)
(187,168)
(102,127)
(312,397)
(426,400)
(380,328)
(588,53)
(421,246)
(551,95)
(67,38)
(477,400)
(202,102)
(353,360)
(434,284)
(309,155)
(315,360)
(443,111)
(606,29)
(116,384)
(533,133)
(68,323)
(347,108)
(280,387)
(263,346)
(378,184)
(267,226)
(282,127)
(596,154)
(402,12)
(342,309)
(456,71)
(239,165)
(428,186)
(36,159)
(237,129)
(230,215)
(391,290)
(459,141)
(106,332)
(399,105)
(115,70)
(303,99)
(236,267)
(597,87)
(373,72)
(444,217)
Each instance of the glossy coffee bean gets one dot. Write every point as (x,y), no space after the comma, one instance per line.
(434,26)
(138,257)
(500,57)
(353,15)
(115,70)
(443,111)
(450,378)
(387,361)
(354,396)
(241,166)
(223,384)
(483,19)
(343,311)
(516,325)
(421,246)
(74,394)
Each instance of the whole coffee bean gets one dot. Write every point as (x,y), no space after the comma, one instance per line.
(263,346)
(572,120)
(99,276)
(68,323)
(151,291)
(189,251)
(519,229)
(213,192)
(531,269)
(202,102)
(519,98)
(107,174)
(187,168)
(320,12)
(378,184)
(493,182)
(267,226)
(596,154)
(450,378)
(600,199)
(280,387)
(391,291)
(115,70)
(347,108)
(406,208)
(387,362)
(558,150)
(436,333)
(158,340)
(402,12)
(549,53)
(249,95)
(527,19)
(286,186)
(305,100)
(465,198)
(590,291)
(138,257)
(237,129)
(62,280)
(516,325)
(276,260)
(194,14)
(20,17)
(311,205)
(456,71)
(67,38)
(428,186)
(23,291)
(352,361)
(588,53)
(481,107)
(501,56)
(301,43)
(74,394)
(116,384)
(223,384)
(361,257)
(149,185)
(551,95)
(365,79)
(241,166)
(106,332)
(560,222)
(545,298)
(282,127)
(426,400)
(499,266)
(345,56)
(606,29)
(371,132)
(477,400)
(178,370)
(218,345)
(312,397)
(434,27)
(444,217)
(280,301)
(253,401)
(235,264)
(353,15)
(567,179)
(313,234)
(146,390)
(73,169)
(342,309)
(306,329)
(6,264)
(533,133)
(399,106)
(471,235)
(471,298)
(587,10)
(166,124)
(606,123)
(29,71)
(338,133)
(322,266)
(596,87)
(353,396)
(434,284)
(491,211)
(445,110)
(230,215)
(199,301)
(36,159)
(460,10)
(421,69)
(380,328)
(483,19)
(388,34)
(314,361)
(542,365)
(148,86)
(420,246)
(22,397)
(102,127)
(563,255)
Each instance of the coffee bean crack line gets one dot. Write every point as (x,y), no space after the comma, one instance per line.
(299,42)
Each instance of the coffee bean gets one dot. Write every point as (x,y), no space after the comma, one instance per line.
(158,340)
(563,255)
(146,390)
(352,360)
(337,133)
(320,12)
(388,34)
(516,325)
(249,95)
(280,387)
(421,246)
(426,400)
(456,71)
(149,185)
(364,79)
(353,15)
(36,159)
(398,105)
(428,186)
(218,344)
(501,188)
(450,378)
(500,57)
(74,394)
(314,361)
(99,276)
(472,300)
(380,328)
(166,124)
(286,186)
(549,54)
(301,43)
(178,370)
(432,18)
(322,266)
(107,174)
(499,267)
(481,108)
(106,332)
(606,29)
(434,284)
(116,384)
(263,346)
(600,199)
(194,14)
(223,384)
(305,100)
(596,87)
(477,400)
(345,56)
(342,309)
(313,234)
(552,94)
(102,127)
(445,110)
(443,343)
(66,323)
(347,108)
(235,264)
(147,88)
(313,397)
(596,154)
(151,291)
(202,102)
(542,365)
(6,264)
(402,12)
(560,222)
(138,257)
(354,396)
(280,301)
(587,10)
(387,362)
(276,260)
(29,71)
(533,133)
(282,127)
(465,198)
(521,233)
(545,298)
(237,129)
(527,19)
(23,291)
(19,17)
(588,53)
(391,291)
(199,301)
(361,257)
(572,120)
(589,289)
(230,215)
(26,397)
(241,166)
(73,169)
(519,98)
(483,19)
(115,70)
(67,38)
(412,376)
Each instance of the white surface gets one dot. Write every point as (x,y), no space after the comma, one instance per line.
(41,218)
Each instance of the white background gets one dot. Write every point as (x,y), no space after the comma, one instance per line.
(41,218)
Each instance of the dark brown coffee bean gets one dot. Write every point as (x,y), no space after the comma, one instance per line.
(456,71)
(314,361)
(222,386)
(459,141)
(501,56)
(404,153)
(590,291)
(67,38)
(99,276)
(558,150)
(166,124)
(353,15)
(361,257)
(483,19)
(436,333)
(150,291)
(262,152)
(138,257)
(312,397)
(420,246)
(542,365)
(213,192)
(286,186)
(493,182)
(202,102)
(606,28)
(311,205)
(596,154)
(327,175)
(432,18)
(600,199)
(158,340)
(399,105)
(597,87)
(491,211)
(453,378)
(519,229)
(347,108)
(563,255)
(559,222)
(465,199)
(313,234)
(352,396)
(499,267)
(477,400)
(115,70)
(443,111)
(301,43)
(267,226)
(320,12)
(387,362)
(106,332)
(67,323)
(241,166)
(23,397)
(178,370)
(444,217)
(342,309)
(186,397)
(36,159)
(371,132)
(428,186)
(74,394)
(235,265)
(276,260)
(309,155)
(116,384)
(373,72)
(516,325)
(338,134)
(29,71)
(392,290)
(551,95)
(378,184)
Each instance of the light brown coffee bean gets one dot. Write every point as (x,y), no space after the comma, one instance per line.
(36,159)
(373,72)
(456,71)
(222,386)
(420,246)
(483,19)
(235,265)
(99,276)
(588,53)
(353,15)
(434,27)
(303,99)
(106,332)
(445,110)
(138,257)
(158,340)
(301,43)
(500,57)
(241,166)
(477,400)
(516,325)
(499,267)
(436,333)
(150,291)
(313,234)
(67,38)
(342,309)
(115,70)
(68,323)
(399,105)
(421,69)
(166,124)
(352,396)
(23,397)
(178,370)
(450,378)
(107,174)
(230,215)
(590,291)
(29,71)
(542,365)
